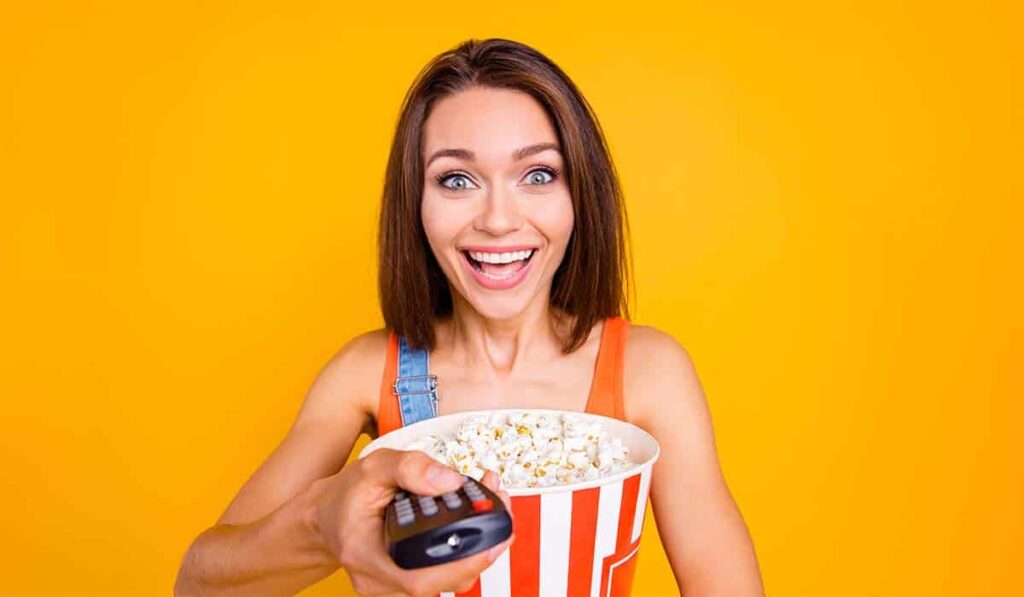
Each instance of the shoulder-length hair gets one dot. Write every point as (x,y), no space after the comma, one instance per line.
(590,283)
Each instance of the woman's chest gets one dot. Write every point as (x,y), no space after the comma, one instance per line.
(564,385)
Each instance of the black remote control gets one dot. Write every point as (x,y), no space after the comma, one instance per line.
(423,531)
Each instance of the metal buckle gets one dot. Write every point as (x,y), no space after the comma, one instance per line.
(430,379)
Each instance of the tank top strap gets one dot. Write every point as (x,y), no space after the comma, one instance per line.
(606,389)
(388,417)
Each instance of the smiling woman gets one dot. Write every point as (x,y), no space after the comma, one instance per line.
(495,124)
(502,280)
(507,226)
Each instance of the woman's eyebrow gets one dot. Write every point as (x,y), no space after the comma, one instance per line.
(469,156)
(529,150)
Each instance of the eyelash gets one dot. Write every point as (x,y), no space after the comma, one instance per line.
(554,172)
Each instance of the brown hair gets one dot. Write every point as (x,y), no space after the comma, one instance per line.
(590,282)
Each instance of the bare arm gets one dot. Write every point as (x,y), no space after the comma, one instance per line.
(705,538)
(277,554)
(339,520)
(265,541)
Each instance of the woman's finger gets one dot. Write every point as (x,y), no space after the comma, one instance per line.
(411,470)
(491,480)
(507,499)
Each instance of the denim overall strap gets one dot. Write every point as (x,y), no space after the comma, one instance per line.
(415,387)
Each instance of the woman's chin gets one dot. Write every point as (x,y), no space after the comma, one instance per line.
(499,308)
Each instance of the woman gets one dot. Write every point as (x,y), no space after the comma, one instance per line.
(502,273)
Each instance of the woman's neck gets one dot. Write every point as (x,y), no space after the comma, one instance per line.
(502,346)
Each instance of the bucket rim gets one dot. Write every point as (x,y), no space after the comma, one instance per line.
(638,468)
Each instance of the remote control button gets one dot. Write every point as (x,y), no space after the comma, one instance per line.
(450,545)
(404,517)
(428,506)
(440,550)
(451,500)
(483,505)
(402,503)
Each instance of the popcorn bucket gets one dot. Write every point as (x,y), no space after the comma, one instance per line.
(577,540)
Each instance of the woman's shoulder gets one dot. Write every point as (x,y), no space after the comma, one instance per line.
(367,342)
(656,367)
(649,337)
(356,369)
(647,340)
(365,349)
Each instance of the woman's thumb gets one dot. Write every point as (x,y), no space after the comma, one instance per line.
(414,471)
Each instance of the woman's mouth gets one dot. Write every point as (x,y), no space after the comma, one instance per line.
(498,270)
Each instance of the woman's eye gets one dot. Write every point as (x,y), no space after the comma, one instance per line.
(539,177)
(455,182)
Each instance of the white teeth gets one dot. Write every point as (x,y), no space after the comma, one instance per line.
(501,257)
(493,277)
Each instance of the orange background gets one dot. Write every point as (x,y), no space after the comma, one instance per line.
(826,210)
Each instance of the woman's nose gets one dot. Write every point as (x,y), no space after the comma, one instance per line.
(499,214)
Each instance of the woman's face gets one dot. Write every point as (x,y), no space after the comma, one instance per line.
(496,208)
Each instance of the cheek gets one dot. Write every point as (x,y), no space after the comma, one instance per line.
(558,219)
(443,221)
(436,223)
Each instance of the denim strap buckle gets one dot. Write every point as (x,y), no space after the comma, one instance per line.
(415,387)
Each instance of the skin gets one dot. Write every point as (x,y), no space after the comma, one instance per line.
(502,349)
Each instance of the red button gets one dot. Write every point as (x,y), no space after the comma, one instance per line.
(483,505)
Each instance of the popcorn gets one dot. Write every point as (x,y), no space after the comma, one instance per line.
(529,449)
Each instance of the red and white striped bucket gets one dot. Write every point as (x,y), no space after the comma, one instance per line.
(578,540)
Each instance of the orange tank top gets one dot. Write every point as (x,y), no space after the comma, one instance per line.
(605,391)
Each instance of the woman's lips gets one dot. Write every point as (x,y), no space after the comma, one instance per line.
(490,283)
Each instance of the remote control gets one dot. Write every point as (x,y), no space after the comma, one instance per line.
(423,530)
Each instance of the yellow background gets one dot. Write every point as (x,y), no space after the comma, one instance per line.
(826,210)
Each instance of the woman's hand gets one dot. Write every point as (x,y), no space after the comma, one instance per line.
(349,514)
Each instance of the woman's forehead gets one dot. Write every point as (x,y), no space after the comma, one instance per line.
(490,123)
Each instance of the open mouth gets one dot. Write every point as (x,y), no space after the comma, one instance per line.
(499,266)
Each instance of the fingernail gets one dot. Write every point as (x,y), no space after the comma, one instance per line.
(443,477)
